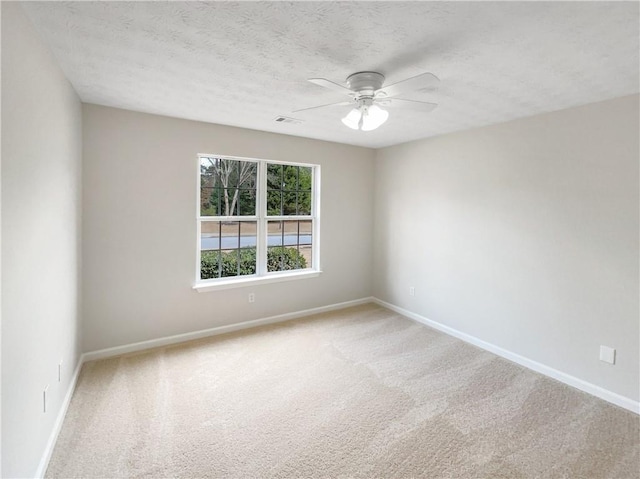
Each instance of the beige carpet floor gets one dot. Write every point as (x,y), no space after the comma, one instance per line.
(360,392)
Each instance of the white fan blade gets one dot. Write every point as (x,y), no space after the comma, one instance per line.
(425,80)
(410,104)
(342,103)
(331,85)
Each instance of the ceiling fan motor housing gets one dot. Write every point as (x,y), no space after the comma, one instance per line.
(365,83)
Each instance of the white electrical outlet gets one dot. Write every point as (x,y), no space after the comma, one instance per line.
(412,291)
(252,298)
(607,354)
(44,398)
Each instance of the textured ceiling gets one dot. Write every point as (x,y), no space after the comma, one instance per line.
(245,63)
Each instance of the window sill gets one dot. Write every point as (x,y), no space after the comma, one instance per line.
(205,286)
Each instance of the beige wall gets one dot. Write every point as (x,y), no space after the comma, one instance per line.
(41,148)
(523,234)
(139,226)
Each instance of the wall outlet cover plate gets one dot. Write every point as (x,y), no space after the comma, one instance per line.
(607,354)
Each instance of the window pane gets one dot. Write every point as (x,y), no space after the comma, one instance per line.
(210,235)
(274,203)
(289,245)
(227,187)
(289,202)
(306,231)
(274,177)
(210,201)
(290,177)
(304,183)
(246,202)
(227,249)
(288,190)
(209,264)
(304,203)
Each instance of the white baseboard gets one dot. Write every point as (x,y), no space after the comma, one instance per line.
(179,338)
(53,437)
(609,396)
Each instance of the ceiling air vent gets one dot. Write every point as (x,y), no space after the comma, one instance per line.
(286,119)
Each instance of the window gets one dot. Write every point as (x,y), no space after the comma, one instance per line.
(257,220)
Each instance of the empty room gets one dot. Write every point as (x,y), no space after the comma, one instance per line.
(320,239)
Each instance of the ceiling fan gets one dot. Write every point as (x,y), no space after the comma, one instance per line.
(367,95)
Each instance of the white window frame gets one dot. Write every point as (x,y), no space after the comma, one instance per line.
(262,275)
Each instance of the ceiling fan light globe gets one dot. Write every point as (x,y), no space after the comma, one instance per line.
(352,120)
(373,118)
